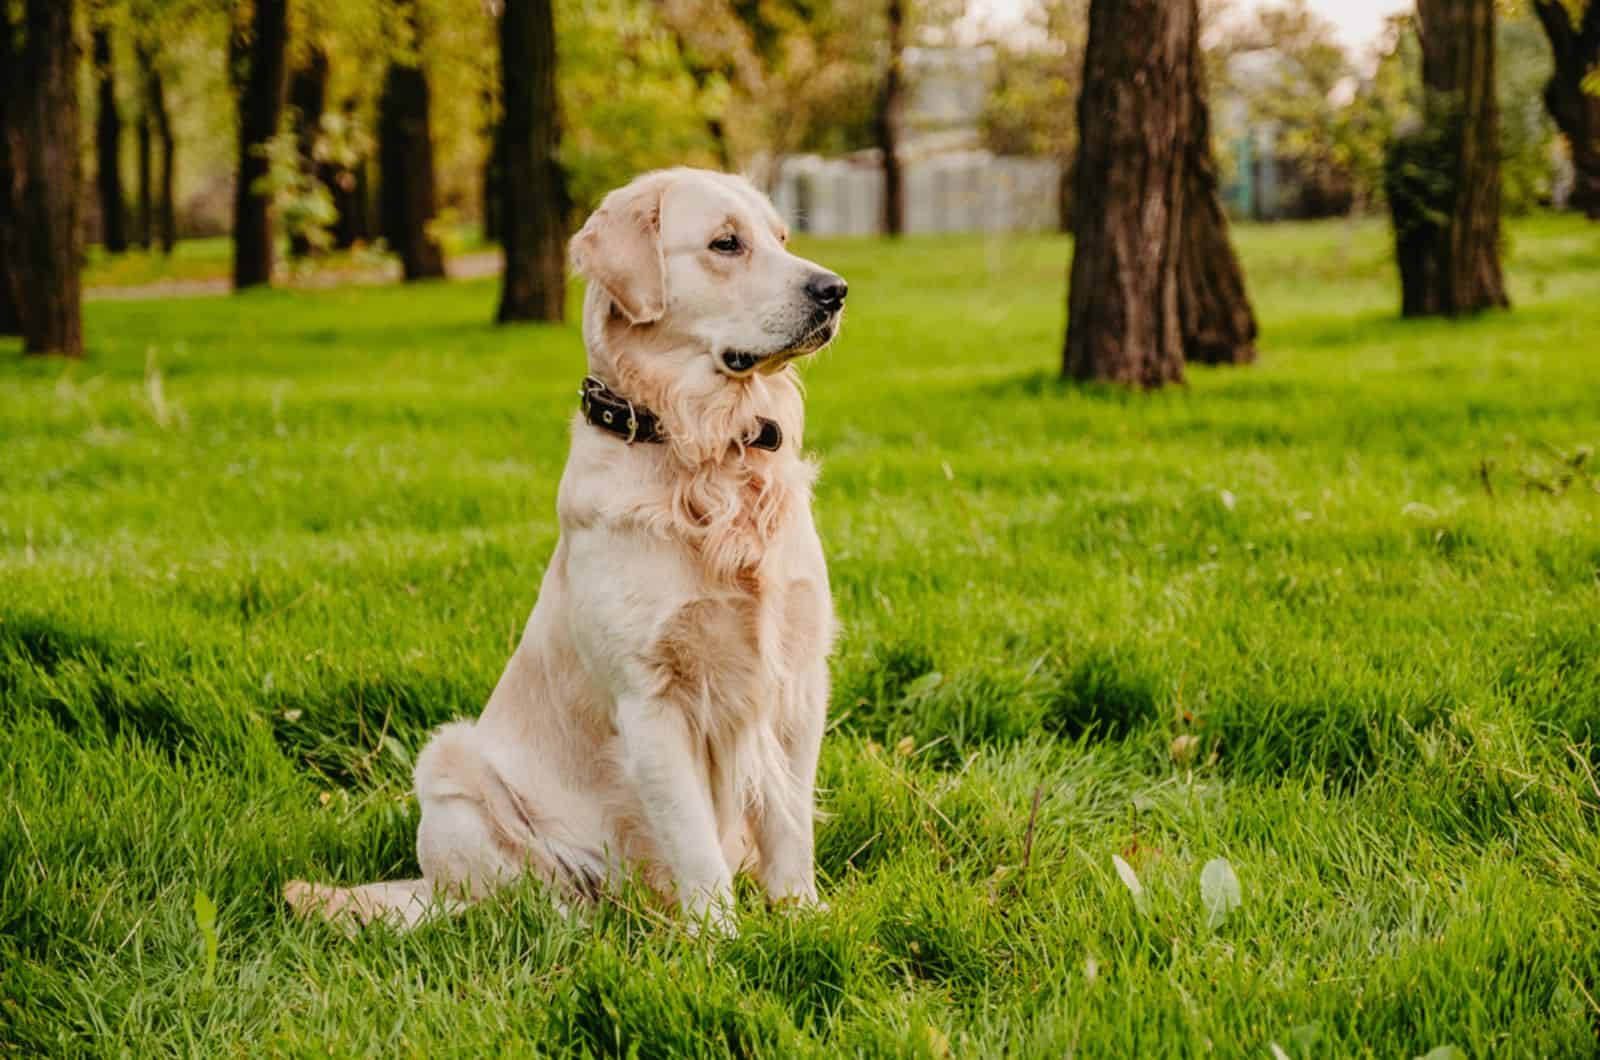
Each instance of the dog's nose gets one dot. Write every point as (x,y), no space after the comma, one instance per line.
(827,290)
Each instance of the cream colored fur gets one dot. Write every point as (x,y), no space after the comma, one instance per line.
(663,712)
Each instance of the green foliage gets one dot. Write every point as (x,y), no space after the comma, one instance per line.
(253,545)
(611,135)
(303,203)
(1527,132)
(1335,118)
(1033,109)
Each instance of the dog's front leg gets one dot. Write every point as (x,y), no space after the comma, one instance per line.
(660,763)
(785,832)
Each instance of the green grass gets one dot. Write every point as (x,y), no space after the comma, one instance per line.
(255,548)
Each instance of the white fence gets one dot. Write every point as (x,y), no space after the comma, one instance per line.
(969,191)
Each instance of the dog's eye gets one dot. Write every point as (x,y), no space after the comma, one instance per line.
(727,245)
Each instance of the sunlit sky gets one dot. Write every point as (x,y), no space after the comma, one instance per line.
(1358,21)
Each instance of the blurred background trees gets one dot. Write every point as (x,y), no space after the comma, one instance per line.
(317,126)
(1572,92)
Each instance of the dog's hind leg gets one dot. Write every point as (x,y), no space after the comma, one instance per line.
(477,834)
(402,904)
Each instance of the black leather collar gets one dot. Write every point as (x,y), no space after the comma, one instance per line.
(610,411)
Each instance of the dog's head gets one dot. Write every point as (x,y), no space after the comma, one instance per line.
(696,263)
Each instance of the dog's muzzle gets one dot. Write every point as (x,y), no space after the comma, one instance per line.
(821,327)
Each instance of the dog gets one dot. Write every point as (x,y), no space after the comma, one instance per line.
(662,715)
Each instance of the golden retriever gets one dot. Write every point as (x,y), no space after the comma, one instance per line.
(663,712)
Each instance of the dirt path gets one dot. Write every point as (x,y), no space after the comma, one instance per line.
(466,267)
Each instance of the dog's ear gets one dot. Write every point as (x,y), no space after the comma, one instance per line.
(619,248)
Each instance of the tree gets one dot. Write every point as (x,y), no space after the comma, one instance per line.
(1443,180)
(887,121)
(797,74)
(1133,125)
(10,60)
(1153,275)
(39,218)
(533,190)
(155,110)
(1219,325)
(405,159)
(145,132)
(108,143)
(261,52)
(1571,96)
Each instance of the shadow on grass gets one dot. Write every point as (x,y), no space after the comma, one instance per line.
(90,687)
(1097,694)
(367,731)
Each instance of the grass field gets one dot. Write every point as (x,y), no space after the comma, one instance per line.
(1334,619)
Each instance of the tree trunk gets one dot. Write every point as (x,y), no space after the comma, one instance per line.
(260,102)
(146,131)
(891,101)
(405,166)
(1134,121)
(308,94)
(9,323)
(10,60)
(533,189)
(1219,326)
(1576,111)
(1443,180)
(166,209)
(39,219)
(108,147)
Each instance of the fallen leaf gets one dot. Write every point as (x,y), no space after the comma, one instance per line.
(1219,891)
(1130,880)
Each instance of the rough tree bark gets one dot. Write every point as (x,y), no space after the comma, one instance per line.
(10,59)
(405,163)
(108,146)
(1576,111)
(260,103)
(1219,325)
(308,95)
(1134,124)
(39,220)
(1443,180)
(533,190)
(886,123)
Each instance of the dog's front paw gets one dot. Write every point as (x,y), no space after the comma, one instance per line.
(794,890)
(712,915)
(799,901)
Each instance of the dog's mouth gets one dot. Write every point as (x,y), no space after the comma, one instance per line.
(819,331)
